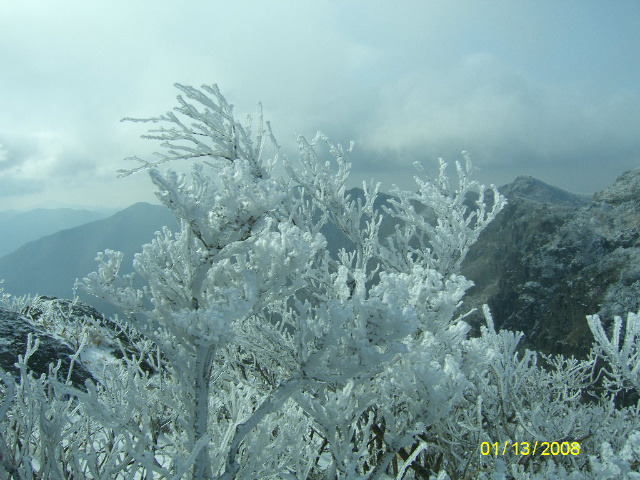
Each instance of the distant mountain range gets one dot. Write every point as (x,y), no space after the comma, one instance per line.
(50,265)
(18,228)
(550,258)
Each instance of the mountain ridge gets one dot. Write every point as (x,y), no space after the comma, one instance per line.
(50,265)
(542,267)
(550,258)
(535,190)
(18,228)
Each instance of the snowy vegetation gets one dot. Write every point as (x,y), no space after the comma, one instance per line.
(259,355)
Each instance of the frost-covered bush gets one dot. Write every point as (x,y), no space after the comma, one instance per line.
(272,358)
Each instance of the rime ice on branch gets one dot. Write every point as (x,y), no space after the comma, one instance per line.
(273,359)
(248,276)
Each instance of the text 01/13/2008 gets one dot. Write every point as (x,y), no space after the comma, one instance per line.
(526,448)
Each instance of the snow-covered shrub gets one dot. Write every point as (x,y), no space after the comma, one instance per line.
(274,359)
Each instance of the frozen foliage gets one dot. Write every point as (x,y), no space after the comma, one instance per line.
(266,357)
(623,359)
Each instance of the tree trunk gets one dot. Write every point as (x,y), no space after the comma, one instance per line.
(204,363)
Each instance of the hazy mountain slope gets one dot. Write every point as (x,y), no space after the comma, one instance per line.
(50,265)
(18,228)
(549,259)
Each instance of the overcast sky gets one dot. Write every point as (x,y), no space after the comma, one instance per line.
(543,88)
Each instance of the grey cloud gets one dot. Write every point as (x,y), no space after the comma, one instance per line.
(407,84)
(507,121)
(35,162)
(10,187)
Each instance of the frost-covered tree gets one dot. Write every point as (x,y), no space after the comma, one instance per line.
(258,354)
(247,289)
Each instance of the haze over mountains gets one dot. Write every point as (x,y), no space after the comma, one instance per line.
(550,258)
(18,228)
(50,265)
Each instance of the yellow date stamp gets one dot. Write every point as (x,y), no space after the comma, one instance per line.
(526,448)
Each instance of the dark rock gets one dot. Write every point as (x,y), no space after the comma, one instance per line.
(14,331)
(109,334)
(74,309)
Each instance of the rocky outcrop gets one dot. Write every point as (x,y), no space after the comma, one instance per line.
(534,190)
(43,305)
(105,333)
(625,189)
(14,331)
(57,324)
(551,257)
